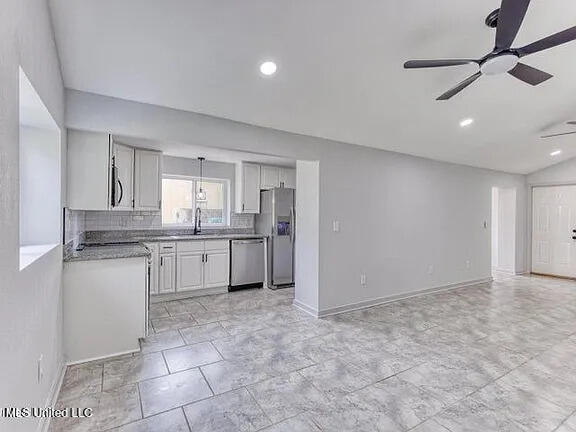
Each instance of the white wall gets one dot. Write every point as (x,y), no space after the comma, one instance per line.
(414,212)
(504,229)
(30,309)
(40,201)
(561,173)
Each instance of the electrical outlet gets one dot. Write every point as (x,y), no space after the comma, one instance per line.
(467,264)
(362,279)
(40,370)
(430,269)
(336,226)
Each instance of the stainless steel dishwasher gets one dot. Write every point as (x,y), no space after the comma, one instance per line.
(246,263)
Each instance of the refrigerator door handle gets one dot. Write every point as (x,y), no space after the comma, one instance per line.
(292,224)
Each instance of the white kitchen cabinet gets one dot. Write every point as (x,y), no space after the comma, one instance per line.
(104,307)
(147,180)
(269,177)
(190,271)
(247,188)
(287,178)
(93,184)
(216,269)
(123,160)
(88,162)
(155,262)
(167,273)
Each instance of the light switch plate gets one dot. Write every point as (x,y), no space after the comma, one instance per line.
(336,226)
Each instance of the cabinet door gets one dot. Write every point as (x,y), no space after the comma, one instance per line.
(250,188)
(147,180)
(167,279)
(190,271)
(124,161)
(88,170)
(216,269)
(154,267)
(287,178)
(269,177)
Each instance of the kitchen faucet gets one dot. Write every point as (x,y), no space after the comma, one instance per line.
(197,223)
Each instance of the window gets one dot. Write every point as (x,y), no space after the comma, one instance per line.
(179,201)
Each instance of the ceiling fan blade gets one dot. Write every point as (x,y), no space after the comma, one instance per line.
(417,64)
(571,122)
(455,90)
(510,19)
(559,134)
(529,75)
(552,41)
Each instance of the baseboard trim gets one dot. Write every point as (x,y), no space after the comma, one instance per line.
(305,308)
(109,356)
(159,298)
(52,398)
(389,299)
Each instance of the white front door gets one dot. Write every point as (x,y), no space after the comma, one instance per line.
(553,225)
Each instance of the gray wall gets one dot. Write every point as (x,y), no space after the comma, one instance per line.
(31,305)
(561,173)
(418,212)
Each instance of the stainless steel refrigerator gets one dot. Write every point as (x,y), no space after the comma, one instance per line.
(276,220)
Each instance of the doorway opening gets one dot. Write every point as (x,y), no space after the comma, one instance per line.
(503,239)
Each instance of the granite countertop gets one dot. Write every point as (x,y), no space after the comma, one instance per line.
(130,247)
(169,238)
(112,251)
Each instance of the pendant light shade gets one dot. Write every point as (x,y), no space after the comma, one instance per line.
(201,194)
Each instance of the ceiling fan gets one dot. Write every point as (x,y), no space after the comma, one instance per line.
(503,58)
(561,134)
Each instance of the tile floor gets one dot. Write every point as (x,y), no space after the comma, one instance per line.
(493,357)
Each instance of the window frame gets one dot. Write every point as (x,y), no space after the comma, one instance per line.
(195,179)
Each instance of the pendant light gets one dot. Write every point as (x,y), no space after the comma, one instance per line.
(201,195)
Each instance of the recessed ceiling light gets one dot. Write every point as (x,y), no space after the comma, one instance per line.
(466,122)
(268,68)
(555,152)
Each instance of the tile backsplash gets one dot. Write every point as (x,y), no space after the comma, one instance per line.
(81,221)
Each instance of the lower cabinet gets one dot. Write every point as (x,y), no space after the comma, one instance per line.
(154,267)
(191,265)
(216,269)
(189,271)
(167,273)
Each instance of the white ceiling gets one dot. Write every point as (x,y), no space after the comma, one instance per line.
(210,153)
(340,70)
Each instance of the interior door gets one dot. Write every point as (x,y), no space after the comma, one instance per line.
(124,162)
(216,270)
(190,271)
(553,229)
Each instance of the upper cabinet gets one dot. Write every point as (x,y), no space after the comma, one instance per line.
(247,188)
(147,180)
(105,175)
(123,176)
(287,178)
(269,177)
(89,175)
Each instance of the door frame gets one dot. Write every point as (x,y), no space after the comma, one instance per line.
(529,215)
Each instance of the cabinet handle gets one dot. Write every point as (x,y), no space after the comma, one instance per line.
(161,260)
(242,207)
(206,255)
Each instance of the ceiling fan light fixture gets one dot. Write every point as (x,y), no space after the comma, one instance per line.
(466,122)
(556,153)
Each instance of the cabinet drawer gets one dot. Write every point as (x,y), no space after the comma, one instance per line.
(191,246)
(216,245)
(167,247)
